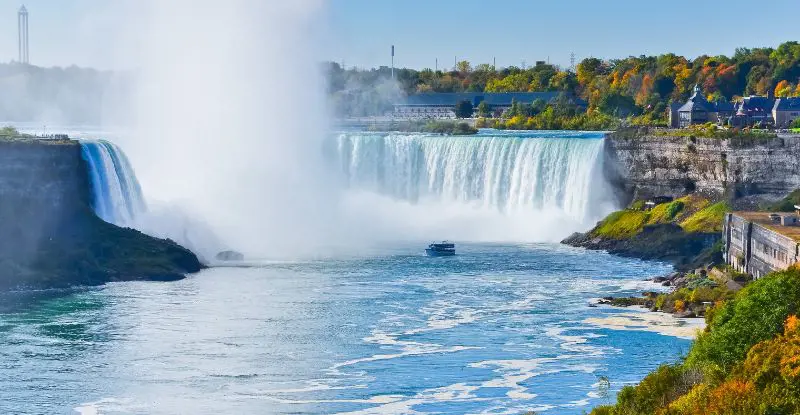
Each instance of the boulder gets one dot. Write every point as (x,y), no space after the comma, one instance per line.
(230,256)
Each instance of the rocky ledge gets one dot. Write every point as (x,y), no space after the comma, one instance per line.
(88,251)
(666,242)
(82,249)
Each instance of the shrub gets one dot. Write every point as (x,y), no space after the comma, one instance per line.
(786,204)
(756,313)
(666,212)
(656,390)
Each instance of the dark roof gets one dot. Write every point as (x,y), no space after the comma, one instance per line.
(722,106)
(450,99)
(755,105)
(697,102)
(787,104)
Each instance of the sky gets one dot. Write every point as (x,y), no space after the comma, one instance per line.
(360,32)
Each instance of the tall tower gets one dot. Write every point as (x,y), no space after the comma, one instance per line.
(22,28)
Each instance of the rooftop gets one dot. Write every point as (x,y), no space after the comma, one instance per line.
(762,218)
(787,104)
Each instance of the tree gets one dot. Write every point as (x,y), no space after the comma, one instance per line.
(464,109)
(784,89)
(484,110)
(464,67)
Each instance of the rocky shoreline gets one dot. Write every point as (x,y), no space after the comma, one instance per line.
(691,294)
(661,242)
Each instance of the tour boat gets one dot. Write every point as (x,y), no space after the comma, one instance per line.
(441,249)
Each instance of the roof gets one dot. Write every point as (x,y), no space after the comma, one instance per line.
(762,218)
(787,104)
(697,102)
(450,99)
(755,105)
(722,106)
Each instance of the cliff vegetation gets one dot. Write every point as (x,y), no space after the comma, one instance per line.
(683,231)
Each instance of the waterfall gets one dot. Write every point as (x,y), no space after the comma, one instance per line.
(510,173)
(116,194)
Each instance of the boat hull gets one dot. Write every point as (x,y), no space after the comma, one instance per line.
(436,253)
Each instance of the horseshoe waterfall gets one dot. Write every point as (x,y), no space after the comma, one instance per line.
(523,177)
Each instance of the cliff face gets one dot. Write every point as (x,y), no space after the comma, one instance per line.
(645,166)
(50,237)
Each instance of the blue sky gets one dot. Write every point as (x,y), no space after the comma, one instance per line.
(360,32)
(530,30)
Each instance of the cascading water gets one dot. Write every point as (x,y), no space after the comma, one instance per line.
(541,178)
(116,194)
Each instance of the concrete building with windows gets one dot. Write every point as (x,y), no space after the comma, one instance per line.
(758,243)
(785,111)
(442,105)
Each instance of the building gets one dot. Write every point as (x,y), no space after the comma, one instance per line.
(753,110)
(697,110)
(758,243)
(785,111)
(674,115)
(442,105)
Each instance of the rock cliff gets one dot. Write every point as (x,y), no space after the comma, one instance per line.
(645,165)
(49,235)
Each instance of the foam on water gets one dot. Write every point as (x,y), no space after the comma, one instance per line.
(496,329)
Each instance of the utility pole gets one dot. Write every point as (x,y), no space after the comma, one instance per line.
(437,66)
(455,63)
(494,63)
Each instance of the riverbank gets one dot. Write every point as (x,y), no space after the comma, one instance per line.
(744,362)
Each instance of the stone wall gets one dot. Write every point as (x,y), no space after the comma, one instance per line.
(648,165)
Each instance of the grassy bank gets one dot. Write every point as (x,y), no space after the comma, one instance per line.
(694,214)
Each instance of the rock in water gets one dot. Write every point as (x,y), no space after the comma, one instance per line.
(230,256)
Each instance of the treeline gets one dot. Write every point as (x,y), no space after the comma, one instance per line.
(632,86)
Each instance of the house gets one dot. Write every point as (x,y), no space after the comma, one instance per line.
(442,105)
(758,243)
(785,111)
(697,110)
(753,110)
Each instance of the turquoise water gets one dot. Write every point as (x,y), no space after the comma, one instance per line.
(497,329)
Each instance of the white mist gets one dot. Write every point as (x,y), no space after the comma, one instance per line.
(230,120)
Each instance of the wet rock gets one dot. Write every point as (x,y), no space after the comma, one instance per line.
(229,256)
